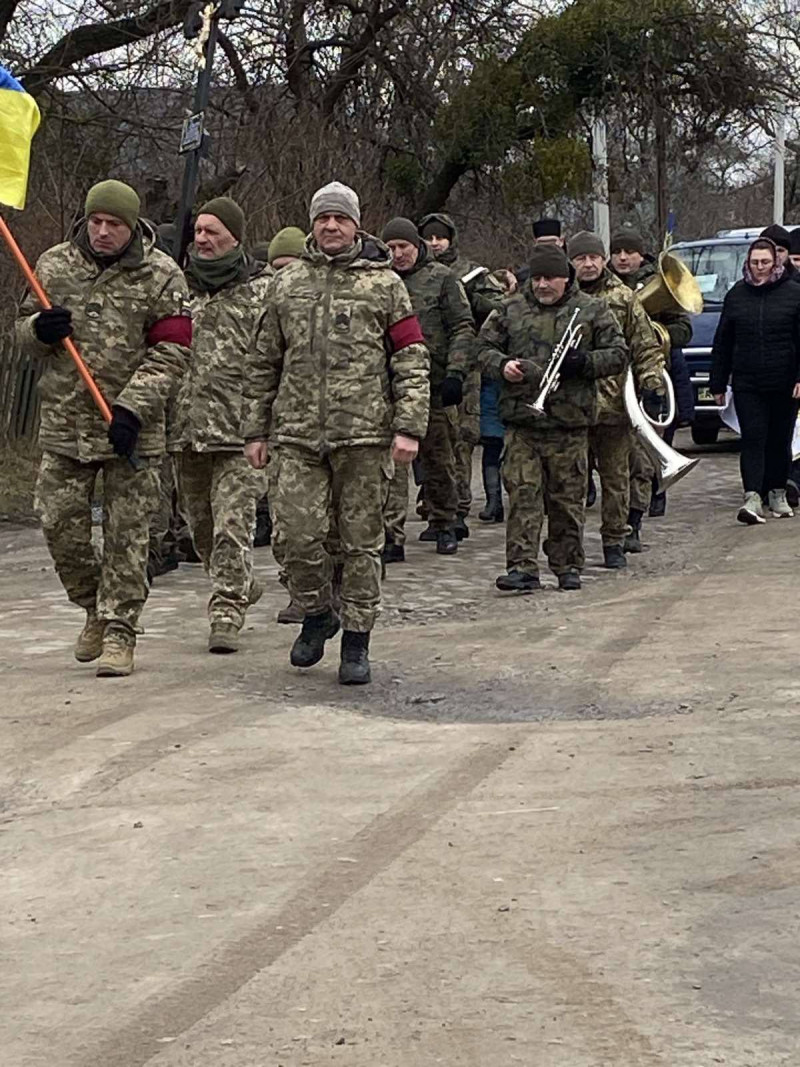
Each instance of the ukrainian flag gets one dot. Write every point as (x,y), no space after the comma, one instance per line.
(19,121)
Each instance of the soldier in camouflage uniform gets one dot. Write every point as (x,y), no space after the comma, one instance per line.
(338,379)
(546,456)
(484,294)
(217,487)
(444,314)
(635,268)
(611,437)
(125,304)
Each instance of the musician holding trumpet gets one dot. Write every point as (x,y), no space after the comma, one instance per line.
(547,345)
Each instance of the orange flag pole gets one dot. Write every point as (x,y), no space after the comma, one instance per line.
(43,299)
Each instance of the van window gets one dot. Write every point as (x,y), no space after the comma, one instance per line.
(716,267)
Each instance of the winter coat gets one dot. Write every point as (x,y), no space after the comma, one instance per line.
(644,350)
(441,305)
(527,330)
(338,358)
(132,326)
(757,343)
(483,291)
(206,415)
(677,323)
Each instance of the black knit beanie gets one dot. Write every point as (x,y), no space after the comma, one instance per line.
(628,239)
(585,243)
(548,261)
(401,229)
(778,235)
(436,228)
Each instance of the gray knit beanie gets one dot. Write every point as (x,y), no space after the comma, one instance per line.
(548,261)
(335,199)
(585,243)
(401,229)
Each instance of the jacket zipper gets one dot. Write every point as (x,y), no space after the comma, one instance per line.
(323,397)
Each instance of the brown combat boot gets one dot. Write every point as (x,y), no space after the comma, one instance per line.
(292,613)
(117,659)
(90,640)
(224,637)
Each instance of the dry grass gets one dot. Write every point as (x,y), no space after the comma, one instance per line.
(19,462)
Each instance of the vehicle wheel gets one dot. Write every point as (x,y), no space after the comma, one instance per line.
(705,435)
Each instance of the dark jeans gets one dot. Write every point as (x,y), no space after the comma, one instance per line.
(767,423)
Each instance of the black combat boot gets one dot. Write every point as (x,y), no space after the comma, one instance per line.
(309,646)
(614,557)
(263,534)
(429,533)
(446,543)
(518,582)
(354,666)
(493,512)
(570,580)
(393,553)
(658,502)
(633,542)
(461,528)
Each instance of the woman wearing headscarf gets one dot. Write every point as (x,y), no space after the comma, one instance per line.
(757,349)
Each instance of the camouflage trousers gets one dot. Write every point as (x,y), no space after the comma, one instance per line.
(348,486)
(166,524)
(642,473)
(437,461)
(278,543)
(611,445)
(538,467)
(469,434)
(114,581)
(217,493)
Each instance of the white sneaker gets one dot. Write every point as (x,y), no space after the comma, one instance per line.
(751,512)
(779,505)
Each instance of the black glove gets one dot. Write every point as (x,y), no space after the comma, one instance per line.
(123,433)
(573,364)
(53,325)
(654,403)
(452,392)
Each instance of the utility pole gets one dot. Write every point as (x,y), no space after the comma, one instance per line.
(779,163)
(202,27)
(602,225)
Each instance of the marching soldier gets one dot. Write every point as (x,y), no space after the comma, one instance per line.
(338,379)
(610,438)
(635,267)
(546,456)
(444,314)
(217,487)
(484,294)
(125,304)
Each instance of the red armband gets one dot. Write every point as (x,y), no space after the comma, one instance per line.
(404,333)
(174,330)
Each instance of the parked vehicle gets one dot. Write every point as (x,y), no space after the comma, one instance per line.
(716,263)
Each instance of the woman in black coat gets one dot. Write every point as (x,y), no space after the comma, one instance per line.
(757,349)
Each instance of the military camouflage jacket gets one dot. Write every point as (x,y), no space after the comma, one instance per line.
(678,324)
(338,358)
(125,319)
(524,329)
(646,357)
(207,413)
(444,314)
(483,291)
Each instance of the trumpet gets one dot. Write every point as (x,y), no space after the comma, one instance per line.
(552,374)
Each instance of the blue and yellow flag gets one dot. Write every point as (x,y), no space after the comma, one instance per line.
(19,121)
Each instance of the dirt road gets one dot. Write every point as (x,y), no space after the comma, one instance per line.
(557,831)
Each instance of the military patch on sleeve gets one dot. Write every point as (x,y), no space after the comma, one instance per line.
(182,305)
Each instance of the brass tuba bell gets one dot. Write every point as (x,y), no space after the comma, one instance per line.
(672,288)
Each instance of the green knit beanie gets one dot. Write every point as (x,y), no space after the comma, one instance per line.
(290,241)
(228,212)
(114,198)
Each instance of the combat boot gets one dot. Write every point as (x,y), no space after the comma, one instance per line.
(309,646)
(493,512)
(446,543)
(354,665)
(116,660)
(633,542)
(393,553)
(224,637)
(291,613)
(570,580)
(518,582)
(614,557)
(428,534)
(90,640)
(263,533)
(461,528)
